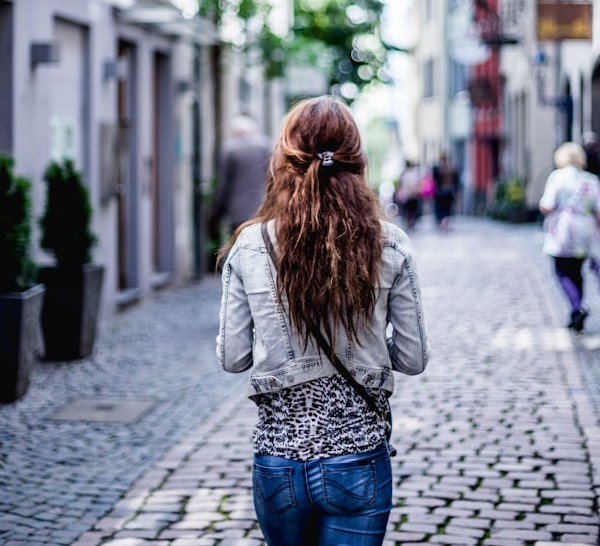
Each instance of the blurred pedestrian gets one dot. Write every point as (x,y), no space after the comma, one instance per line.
(591,145)
(309,287)
(242,176)
(571,204)
(447,182)
(408,194)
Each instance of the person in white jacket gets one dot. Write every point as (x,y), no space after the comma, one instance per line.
(571,204)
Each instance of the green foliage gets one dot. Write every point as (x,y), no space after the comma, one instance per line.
(345,35)
(16,267)
(342,37)
(510,201)
(66,221)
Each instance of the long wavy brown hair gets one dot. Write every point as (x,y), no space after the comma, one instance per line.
(326,220)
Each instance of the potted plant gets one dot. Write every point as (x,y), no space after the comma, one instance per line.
(73,285)
(20,299)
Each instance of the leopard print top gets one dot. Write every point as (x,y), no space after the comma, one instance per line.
(320,418)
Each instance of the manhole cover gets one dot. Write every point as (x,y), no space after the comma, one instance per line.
(104,410)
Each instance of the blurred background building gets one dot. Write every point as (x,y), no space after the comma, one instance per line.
(502,84)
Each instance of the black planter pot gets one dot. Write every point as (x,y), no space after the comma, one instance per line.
(19,340)
(70,311)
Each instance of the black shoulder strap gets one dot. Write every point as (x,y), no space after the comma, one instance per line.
(316,333)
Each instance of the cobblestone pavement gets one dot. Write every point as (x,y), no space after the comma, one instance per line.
(499,443)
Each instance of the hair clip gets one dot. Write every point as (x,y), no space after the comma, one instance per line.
(326,158)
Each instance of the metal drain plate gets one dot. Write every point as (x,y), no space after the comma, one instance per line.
(104,410)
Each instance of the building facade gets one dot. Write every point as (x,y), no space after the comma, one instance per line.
(130,90)
(443,115)
(550,84)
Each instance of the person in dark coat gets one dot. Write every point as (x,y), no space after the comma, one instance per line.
(447,183)
(242,175)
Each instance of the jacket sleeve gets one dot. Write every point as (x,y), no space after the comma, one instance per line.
(236,326)
(548,199)
(408,345)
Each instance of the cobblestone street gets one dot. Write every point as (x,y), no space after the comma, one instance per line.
(498,441)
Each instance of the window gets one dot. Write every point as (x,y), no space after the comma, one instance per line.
(427,10)
(458,78)
(428,83)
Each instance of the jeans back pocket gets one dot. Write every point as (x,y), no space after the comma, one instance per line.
(273,487)
(350,487)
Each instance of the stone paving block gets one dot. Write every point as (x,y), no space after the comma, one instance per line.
(425,528)
(513,524)
(426,518)
(505,542)
(454,512)
(134,542)
(542,519)
(521,534)
(471,522)
(90,539)
(439,494)
(584,503)
(497,483)
(518,506)
(458,480)
(189,524)
(426,502)
(136,533)
(410,510)
(170,534)
(583,539)
(562,509)
(486,495)
(240,542)
(472,505)
(453,539)
(454,530)
(499,514)
(572,528)
(585,520)
(399,536)
(536,484)
(544,543)
(566,494)
(193,542)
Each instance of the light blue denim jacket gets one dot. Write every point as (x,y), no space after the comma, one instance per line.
(256,333)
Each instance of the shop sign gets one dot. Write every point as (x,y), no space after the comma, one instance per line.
(564,20)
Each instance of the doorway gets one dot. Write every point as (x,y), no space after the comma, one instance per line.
(127,188)
(161,179)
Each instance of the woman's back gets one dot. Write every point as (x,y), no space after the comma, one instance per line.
(310,288)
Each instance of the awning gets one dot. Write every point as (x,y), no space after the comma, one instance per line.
(169,20)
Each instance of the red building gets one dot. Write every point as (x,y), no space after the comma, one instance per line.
(485,90)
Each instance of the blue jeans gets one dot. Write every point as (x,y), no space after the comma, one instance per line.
(337,501)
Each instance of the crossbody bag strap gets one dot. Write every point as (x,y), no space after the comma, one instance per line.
(325,347)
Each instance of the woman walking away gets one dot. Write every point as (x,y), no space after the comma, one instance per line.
(309,288)
(571,203)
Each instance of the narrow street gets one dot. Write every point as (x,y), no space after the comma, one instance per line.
(148,442)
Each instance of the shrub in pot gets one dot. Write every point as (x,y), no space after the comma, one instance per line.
(74,284)
(20,299)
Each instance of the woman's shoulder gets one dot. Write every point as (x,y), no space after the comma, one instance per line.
(392,233)
(250,237)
